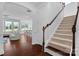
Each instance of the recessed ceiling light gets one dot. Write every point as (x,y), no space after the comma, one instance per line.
(28,10)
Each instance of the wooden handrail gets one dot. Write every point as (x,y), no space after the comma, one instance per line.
(73,31)
(44,28)
(53,19)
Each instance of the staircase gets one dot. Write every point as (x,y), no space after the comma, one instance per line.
(61,43)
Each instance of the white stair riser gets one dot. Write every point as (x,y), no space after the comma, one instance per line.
(60,48)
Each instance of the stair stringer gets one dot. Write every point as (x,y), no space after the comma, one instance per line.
(54,53)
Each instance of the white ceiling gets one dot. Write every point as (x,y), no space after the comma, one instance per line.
(13,9)
(32,5)
(38,4)
(20,9)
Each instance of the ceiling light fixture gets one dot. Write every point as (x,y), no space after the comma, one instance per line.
(28,10)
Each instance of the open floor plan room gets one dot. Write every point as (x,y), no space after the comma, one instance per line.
(39,29)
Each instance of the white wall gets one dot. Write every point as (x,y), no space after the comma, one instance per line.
(77,36)
(70,9)
(1,20)
(43,16)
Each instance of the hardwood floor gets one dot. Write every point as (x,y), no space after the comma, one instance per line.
(22,47)
(38,51)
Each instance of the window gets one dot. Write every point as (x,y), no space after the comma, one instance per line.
(16,26)
(11,26)
(8,26)
(24,26)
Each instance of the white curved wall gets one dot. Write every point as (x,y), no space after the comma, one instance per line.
(70,9)
(43,16)
(77,37)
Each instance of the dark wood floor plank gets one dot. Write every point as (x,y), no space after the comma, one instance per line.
(21,47)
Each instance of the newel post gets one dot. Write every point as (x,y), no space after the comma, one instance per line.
(43,43)
(73,47)
(73,31)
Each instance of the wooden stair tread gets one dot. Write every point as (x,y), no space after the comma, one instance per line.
(65,27)
(65,30)
(61,47)
(57,51)
(59,44)
(59,38)
(62,41)
(63,34)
